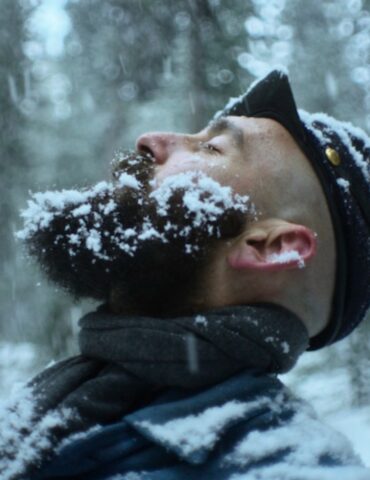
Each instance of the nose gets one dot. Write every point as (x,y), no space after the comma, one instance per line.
(158,144)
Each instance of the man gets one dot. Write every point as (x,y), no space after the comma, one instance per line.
(220,257)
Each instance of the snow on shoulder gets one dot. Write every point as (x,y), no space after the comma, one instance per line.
(308,442)
(195,433)
(23,439)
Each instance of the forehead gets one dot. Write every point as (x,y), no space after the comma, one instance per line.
(265,133)
(249,128)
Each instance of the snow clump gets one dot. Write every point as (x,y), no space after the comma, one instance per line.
(286,257)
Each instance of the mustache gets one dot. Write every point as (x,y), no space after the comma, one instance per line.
(139,165)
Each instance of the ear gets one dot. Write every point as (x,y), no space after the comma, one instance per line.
(274,245)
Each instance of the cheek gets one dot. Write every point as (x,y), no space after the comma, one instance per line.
(187,163)
(239,179)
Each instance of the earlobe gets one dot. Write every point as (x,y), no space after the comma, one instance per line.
(279,246)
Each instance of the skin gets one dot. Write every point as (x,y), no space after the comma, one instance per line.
(258,157)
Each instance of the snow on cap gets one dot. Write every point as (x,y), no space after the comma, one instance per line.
(339,154)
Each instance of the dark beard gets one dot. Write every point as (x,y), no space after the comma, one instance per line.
(143,249)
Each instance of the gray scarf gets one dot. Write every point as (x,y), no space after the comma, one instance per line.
(126,362)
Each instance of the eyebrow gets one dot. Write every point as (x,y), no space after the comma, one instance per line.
(222,125)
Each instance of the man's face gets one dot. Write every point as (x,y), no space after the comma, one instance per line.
(148,235)
(235,151)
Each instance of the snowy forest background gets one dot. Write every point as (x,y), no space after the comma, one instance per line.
(81,78)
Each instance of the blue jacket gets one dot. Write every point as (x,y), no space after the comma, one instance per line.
(249,427)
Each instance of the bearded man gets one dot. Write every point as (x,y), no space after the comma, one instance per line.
(219,258)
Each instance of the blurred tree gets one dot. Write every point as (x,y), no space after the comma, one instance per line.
(356,28)
(315,41)
(217,37)
(357,359)
(14,99)
(27,311)
(129,50)
(321,34)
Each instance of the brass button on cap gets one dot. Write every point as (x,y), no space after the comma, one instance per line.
(333,156)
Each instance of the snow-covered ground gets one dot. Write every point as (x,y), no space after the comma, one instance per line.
(327,389)
(18,362)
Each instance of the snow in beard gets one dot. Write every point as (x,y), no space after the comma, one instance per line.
(203,202)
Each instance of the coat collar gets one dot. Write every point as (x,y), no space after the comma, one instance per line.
(193,427)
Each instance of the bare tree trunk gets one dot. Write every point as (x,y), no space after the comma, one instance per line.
(198,80)
(12,156)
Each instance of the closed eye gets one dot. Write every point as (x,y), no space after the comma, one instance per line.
(210,148)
